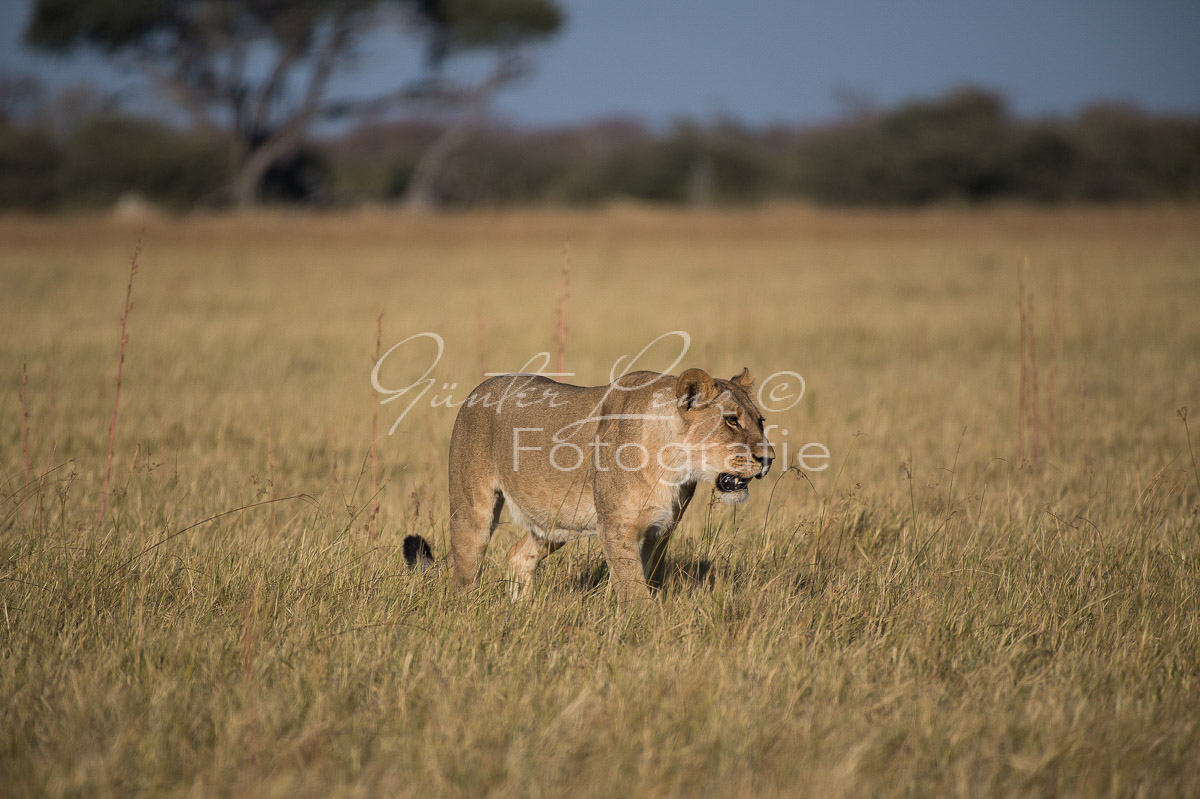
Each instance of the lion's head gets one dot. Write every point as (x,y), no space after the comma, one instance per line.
(726,432)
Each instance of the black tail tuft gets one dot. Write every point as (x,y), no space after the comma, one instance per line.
(417,552)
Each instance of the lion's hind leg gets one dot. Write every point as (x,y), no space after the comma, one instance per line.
(524,558)
(473,519)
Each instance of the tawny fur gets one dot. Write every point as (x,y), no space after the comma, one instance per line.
(582,466)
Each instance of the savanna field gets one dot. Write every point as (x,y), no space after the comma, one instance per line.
(968,601)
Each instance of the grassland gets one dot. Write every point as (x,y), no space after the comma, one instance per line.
(928,616)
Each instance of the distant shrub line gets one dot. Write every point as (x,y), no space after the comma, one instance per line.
(965,147)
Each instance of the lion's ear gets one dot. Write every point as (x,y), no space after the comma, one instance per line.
(744,380)
(694,387)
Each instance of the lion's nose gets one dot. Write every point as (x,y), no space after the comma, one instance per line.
(764,462)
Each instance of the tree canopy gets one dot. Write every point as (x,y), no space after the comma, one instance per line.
(259,70)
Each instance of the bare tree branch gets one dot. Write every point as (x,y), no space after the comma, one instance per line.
(419,92)
(289,135)
(436,92)
(258,117)
(194,103)
(234,81)
(419,196)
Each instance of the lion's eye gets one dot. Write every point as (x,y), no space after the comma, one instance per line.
(732,421)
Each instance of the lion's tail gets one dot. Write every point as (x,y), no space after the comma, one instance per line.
(417,552)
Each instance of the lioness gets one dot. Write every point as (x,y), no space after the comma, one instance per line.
(621,461)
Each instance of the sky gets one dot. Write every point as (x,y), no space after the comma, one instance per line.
(796,61)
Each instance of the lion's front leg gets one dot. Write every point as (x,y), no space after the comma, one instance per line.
(622,544)
(654,553)
(654,545)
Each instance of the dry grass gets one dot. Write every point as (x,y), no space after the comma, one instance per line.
(922,618)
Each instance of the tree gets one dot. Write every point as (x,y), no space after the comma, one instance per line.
(258,71)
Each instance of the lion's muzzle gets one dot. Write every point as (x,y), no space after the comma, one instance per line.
(731,483)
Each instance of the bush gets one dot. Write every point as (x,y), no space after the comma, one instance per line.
(113,155)
(29,164)
(958,148)
(303,177)
(966,147)
(1125,155)
(963,147)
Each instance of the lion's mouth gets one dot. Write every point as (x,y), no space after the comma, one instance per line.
(731,483)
